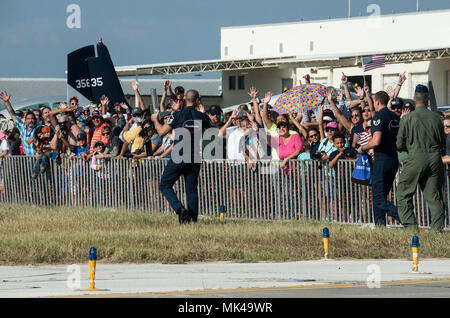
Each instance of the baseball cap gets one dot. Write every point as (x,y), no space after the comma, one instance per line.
(421,89)
(215,110)
(137,112)
(397,103)
(81,136)
(333,124)
(328,113)
(96,113)
(19,113)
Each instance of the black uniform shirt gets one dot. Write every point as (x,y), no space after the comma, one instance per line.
(195,123)
(387,123)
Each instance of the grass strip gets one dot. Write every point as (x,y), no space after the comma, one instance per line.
(31,235)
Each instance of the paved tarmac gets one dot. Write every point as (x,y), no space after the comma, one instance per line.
(331,278)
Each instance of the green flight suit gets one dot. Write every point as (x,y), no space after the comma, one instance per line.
(421,134)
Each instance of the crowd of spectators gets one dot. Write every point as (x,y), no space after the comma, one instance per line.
(251,132)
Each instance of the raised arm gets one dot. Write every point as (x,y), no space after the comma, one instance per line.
(299,126)
(266,119)
(5,97)
(62,108)
(344,121)
(307,79)
(253,93)
(135,86)
(369,99)
(162,130)
(401,80)
(344,81)
(104,102)
(163,97)
(223,129)
(321,129)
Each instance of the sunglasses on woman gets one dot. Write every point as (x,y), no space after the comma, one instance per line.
(281,125)
(314,135)
(106,133)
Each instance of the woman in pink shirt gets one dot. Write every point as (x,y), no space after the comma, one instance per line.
(289,146)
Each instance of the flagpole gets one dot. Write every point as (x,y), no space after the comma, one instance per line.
(349,7)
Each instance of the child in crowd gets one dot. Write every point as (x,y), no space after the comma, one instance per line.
(82,147)
(342,152)
(97,162)
(41,141)
(306,155)
(5,148)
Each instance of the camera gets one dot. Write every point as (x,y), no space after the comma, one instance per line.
(350,152)
(318,155)
(63,127)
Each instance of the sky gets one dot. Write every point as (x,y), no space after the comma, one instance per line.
(35,38)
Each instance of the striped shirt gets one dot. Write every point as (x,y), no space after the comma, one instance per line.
(97,136)
(25,135)
(363,135)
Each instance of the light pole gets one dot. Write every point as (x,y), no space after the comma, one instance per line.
(349,7)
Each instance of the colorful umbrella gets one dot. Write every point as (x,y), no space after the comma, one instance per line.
(302,98)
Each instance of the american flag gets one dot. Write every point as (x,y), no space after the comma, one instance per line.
(370,63)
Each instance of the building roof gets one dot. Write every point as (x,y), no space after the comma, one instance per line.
(354,18)
(342,60)
(27,88)
(189,67)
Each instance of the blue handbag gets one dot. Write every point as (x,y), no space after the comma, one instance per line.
(362,173)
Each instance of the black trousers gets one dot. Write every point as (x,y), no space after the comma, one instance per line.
(172,172)
(384,171)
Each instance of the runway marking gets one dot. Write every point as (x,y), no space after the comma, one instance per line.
(316,285)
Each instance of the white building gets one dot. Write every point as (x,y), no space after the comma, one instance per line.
(415,43)
(276,56)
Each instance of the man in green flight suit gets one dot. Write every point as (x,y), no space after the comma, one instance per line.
(421,134)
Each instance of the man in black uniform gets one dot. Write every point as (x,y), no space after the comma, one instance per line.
(384,130)
(185,160)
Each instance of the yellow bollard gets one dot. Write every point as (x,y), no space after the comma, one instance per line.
(92,266)
(222,213)
(415,252)
(326,236)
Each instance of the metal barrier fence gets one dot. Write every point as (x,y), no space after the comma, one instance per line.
(304,190)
